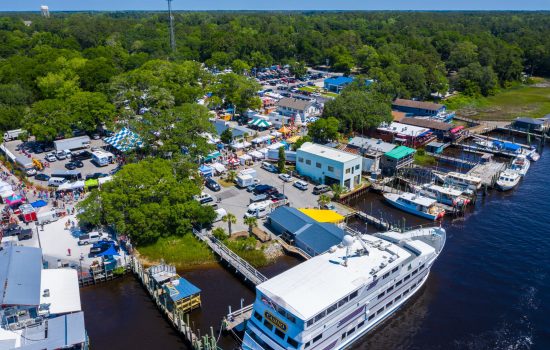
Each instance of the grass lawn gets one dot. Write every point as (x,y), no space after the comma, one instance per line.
(182,251)
(424,159)
(247,248)
(309,88)
(531,101)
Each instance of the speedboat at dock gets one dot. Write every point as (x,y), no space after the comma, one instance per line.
(521,165)
(444,195)
(508,179)
(416,204)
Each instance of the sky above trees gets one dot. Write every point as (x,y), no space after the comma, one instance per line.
(78,5)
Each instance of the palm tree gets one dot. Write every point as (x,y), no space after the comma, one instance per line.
(337,191)
(252,222)
(323,200)
(231,175)
(230,219)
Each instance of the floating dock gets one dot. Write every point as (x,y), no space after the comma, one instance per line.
(488,172)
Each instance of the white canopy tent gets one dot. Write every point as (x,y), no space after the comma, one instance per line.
(244,158)
(276,145)
(219,168)
(6,193)
(256,154)
(103,180)
(276,133)
(241,145)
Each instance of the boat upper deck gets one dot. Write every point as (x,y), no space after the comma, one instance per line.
(323,280)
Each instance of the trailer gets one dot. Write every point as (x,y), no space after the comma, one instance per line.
(47,217)
(244,180)
(101,158)
(72,143)
(13,134)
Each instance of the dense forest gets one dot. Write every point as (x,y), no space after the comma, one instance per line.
(80,68)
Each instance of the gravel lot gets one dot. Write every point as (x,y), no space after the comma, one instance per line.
(236,200)
(59,165)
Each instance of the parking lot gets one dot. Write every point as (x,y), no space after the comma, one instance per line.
(59,165)
(235,200)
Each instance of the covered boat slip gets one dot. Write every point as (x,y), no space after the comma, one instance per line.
(175,292)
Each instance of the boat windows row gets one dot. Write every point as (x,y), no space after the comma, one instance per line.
(332,308)
(275,330)
(398,283)
(395,300)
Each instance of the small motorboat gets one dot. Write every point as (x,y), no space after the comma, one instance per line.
(444,195)
(508,179)
(416,204)
(534,156)
(521,165)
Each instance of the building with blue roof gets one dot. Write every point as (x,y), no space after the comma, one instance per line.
(531,124)
(20,276)
(336,84)
(305,233)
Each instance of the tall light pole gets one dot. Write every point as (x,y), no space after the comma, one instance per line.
(172,35)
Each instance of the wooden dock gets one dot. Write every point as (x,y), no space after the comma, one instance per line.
(292,249)
(236,318)
(378,223)
(488,172)
(178,319)
(239,264)
(452,160)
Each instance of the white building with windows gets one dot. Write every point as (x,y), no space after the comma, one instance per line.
(329,166)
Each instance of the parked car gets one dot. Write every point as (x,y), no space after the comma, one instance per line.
(258,198)
(70,166)
(50,157)
(78,163)
(278,197)
(95,176)
(285,177)
(212,184)
(321,189)
(251,187)
(269,167)
(204,198)
(329,206)
(42,177)
(301,185)
(81,155)
(261,189)
(91,237)
(30,172)
(61,155)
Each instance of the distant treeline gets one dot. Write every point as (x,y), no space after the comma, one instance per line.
(410,54)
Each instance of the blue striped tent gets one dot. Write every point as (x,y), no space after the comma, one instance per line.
(124,140)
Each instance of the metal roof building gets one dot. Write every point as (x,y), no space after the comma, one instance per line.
(309,235)
(20,275)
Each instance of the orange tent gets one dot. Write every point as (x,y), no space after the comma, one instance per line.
(284,130)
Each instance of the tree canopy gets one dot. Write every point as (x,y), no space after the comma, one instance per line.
(147,200)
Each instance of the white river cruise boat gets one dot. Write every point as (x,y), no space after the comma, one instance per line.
(333,299)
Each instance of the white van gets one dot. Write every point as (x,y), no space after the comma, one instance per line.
(56,181)
(220,213)
(269,167)
(46,217)
(258,210)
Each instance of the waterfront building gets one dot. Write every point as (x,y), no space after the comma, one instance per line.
(40,308)
(440,129)
(423,109)
(174,292)
(290,106)
(329,166)
(408,135)
(301,230)
(396,159)
(333,299)
(370,149)
(531,124)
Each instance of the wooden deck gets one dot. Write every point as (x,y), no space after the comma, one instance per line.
(488,172)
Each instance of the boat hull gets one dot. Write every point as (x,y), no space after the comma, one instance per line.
(507,186)
(411,210)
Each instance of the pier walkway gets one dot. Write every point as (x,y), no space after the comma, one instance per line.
(488,172)
(235,261)
(236,318)
(452,160)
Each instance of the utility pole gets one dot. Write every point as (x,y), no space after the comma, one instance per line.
(172,35)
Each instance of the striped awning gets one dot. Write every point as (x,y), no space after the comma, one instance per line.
(260,123)
(124,140)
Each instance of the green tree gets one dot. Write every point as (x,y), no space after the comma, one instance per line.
(231,176)
(89,110)
(301,141)
(147,200)
(239,66)
(324,130)
(230,219)
(281,162)
(462,54)
(337,191)
(48,119)
(359,109)
(226,136)
(298,69)
(219,233)
(323,200)
(251,222)
(238,91)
